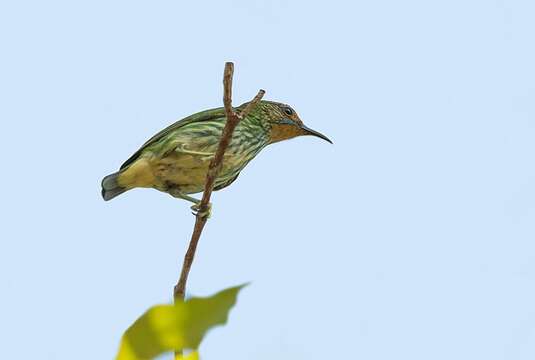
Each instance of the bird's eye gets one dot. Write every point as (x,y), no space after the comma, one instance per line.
(288,111)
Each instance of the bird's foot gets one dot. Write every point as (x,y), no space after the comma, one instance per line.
(206,213)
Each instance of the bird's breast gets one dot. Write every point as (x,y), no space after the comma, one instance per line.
(188,170)
(182,158)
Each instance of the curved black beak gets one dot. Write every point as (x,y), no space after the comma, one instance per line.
(309,131)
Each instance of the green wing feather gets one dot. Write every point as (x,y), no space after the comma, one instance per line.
(207,115)
(224,185)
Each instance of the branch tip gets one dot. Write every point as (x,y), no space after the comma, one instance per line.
(251,105)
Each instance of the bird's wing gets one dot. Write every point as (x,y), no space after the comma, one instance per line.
(207,115)
(224,185)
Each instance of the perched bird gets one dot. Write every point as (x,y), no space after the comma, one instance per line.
(176,159)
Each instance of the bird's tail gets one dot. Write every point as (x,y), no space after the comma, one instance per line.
(110,187)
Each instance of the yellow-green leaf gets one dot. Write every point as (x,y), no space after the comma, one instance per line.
(176,327)
(191,356)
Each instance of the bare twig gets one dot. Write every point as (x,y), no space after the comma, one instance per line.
(250,106)
(227,89)
(213,170)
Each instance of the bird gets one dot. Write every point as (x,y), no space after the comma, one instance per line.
(176,159)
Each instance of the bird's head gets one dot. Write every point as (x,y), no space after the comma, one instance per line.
(285,123)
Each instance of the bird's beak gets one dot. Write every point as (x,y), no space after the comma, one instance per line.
(309,131)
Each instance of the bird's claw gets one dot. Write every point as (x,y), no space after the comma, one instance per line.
(206,213)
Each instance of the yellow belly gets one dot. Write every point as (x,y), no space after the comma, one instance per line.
(185,171)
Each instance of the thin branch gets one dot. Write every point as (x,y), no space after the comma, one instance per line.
(213,171)
(251,104)
(227,89)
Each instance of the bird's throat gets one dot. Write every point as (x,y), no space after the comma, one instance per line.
(283,132)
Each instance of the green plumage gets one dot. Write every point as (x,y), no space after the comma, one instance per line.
(176,159)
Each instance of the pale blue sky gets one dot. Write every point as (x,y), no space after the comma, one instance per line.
(412,237)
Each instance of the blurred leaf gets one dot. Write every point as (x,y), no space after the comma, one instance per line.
(176,327)
(191,356)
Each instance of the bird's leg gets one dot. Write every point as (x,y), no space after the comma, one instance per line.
(176,193)
(196,210)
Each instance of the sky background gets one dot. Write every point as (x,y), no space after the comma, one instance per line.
(412,237)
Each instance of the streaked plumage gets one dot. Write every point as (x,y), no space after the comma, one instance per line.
(176,159)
